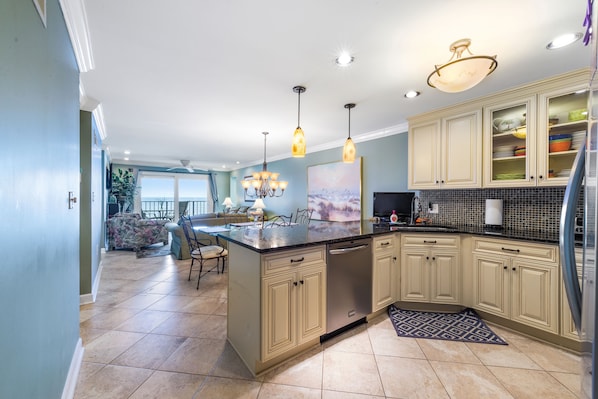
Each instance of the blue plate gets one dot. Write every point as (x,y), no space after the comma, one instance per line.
(559,136)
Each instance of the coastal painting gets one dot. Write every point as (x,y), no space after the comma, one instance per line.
(334,191)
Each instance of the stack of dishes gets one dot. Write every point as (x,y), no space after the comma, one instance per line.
(520,151)
(564,173)
(509,176)
(504,151)
(559,142)
(578,139)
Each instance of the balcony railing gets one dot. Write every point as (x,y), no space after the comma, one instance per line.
(164,209)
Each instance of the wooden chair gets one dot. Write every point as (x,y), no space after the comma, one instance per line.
(303,216)
(202,250)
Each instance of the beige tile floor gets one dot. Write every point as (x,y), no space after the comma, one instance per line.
(151,334)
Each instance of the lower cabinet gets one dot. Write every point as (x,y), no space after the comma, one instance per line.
(518,281)
(430,269)
(384,273)
(293,302)
(568,328)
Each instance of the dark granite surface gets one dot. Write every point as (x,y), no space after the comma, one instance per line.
(319,232)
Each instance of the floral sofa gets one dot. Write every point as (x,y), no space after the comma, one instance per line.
(129,230)
(179,246)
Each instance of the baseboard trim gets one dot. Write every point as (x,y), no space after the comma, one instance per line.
(91,298)
(71,379)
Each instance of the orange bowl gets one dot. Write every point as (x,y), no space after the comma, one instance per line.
(560,146)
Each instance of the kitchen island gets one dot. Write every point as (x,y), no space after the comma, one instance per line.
(277,281)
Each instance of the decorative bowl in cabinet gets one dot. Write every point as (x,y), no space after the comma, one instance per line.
(559,146)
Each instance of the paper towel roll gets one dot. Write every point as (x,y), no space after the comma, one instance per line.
(494,212)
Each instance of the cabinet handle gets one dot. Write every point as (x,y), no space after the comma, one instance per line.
(514,269)
(384,243)
(510,250)
(531,177)
(540,177)
(429,242)
(394,258)
(295,283)
(442,181)
(505,267)
(301,281)
(436,181)
(298,260)
(427,258)
(433,258)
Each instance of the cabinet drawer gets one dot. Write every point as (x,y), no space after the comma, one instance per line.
(383,242)
(425,240)
(517,248)
(288,260)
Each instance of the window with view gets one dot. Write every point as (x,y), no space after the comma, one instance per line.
(172,195)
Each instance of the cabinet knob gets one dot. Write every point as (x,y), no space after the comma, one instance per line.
(540,177)
(394,258)
(427,258)
(442,181)
(531,177)
(433,258)
(295,283)
(436,181)
(514,269)
(301,281)
(505,267)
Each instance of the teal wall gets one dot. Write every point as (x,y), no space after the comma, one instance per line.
(384,168)
(39,165)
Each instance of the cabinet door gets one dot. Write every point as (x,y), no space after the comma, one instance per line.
(491,284)
(509,143)
(461,146)
(415,276)
(535,293)
(278,314)
(384,279)
(424,155)
(561,116)
(445,277)
(312,304)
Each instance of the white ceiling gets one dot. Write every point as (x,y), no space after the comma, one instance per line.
(200,80)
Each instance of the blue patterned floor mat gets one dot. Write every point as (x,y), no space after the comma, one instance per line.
(465,326)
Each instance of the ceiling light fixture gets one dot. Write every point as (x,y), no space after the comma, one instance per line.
(412,94)
(461,73)
(345,59)
(349,148)
(298,149)
(264,183)
(563,40)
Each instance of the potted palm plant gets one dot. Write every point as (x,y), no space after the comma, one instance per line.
(124,188)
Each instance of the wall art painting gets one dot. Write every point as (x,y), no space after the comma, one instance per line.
(334,191)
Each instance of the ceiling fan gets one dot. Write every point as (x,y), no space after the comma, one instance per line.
(186,164)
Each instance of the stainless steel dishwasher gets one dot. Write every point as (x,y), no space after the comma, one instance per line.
(349,283)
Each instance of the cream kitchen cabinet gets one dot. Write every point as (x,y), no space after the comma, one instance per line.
(430,268)
(518,132)
(445,152)
(568,329)
(517,280)
(293,300)
(384,272)
(276,303)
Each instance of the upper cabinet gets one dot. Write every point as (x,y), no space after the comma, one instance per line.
(562,128)
(523,137)
(445,151)
(507,160)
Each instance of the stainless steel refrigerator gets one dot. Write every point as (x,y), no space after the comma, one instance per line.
(580,279)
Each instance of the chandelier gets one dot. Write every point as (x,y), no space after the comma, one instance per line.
(264,183)
(461,73)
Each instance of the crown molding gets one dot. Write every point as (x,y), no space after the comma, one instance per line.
(75,18)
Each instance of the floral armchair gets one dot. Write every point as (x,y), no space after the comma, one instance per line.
(129,230)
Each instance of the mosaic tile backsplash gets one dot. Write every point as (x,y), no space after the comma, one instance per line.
(537,209)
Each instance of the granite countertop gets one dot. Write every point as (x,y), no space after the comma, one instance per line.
(320,232)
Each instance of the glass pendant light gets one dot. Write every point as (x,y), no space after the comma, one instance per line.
(349,148)
(298,149)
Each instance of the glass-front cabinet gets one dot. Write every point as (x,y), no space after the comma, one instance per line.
(508,134)
(562,127)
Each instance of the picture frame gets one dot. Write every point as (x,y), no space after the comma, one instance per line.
(334,191)
(246,198)
(40,6)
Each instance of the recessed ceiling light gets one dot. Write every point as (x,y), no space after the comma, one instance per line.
(126,159)
(563,40)
(127,152)
(344,59)
(412,94)
(238,162)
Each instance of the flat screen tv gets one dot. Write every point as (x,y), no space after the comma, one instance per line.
(385,203)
